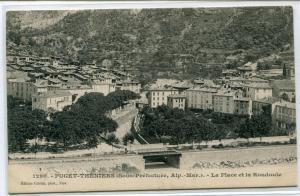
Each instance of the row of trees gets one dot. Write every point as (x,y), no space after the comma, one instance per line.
(79,124)
(177,126)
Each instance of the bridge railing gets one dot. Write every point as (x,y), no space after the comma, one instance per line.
(153,150)
(136,126)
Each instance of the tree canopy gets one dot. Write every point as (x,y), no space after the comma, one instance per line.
(80,123)
(178,125)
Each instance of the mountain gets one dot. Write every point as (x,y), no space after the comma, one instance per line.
(36,19)
(152,40)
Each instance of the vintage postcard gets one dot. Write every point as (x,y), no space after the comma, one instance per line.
(150,99)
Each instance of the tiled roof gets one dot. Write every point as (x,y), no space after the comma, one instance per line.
(162,88)
(212,90)
(177,96)
(259,85)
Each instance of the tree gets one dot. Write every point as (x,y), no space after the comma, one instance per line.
(221,132)
(112,139)
(263,122)
(177,126)
(92,142)
(128,137)
(246,130)
(257,126)
(251,57)
(285,97)
(23,124)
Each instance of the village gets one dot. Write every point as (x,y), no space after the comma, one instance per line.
(50,84)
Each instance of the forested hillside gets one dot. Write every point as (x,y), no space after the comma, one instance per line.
(165,40)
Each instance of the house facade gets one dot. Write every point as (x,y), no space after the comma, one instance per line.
(159,96)
(200,98)
(177,101)
(257,91)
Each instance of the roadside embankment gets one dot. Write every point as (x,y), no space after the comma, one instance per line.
(239,157)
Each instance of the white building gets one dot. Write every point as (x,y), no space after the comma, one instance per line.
(257,91)
(52,100)
(159,95)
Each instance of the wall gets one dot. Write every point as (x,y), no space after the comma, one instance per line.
(86,164)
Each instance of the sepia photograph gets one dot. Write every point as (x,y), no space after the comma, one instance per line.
(150,99)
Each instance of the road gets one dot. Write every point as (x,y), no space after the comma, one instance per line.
(124,122)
